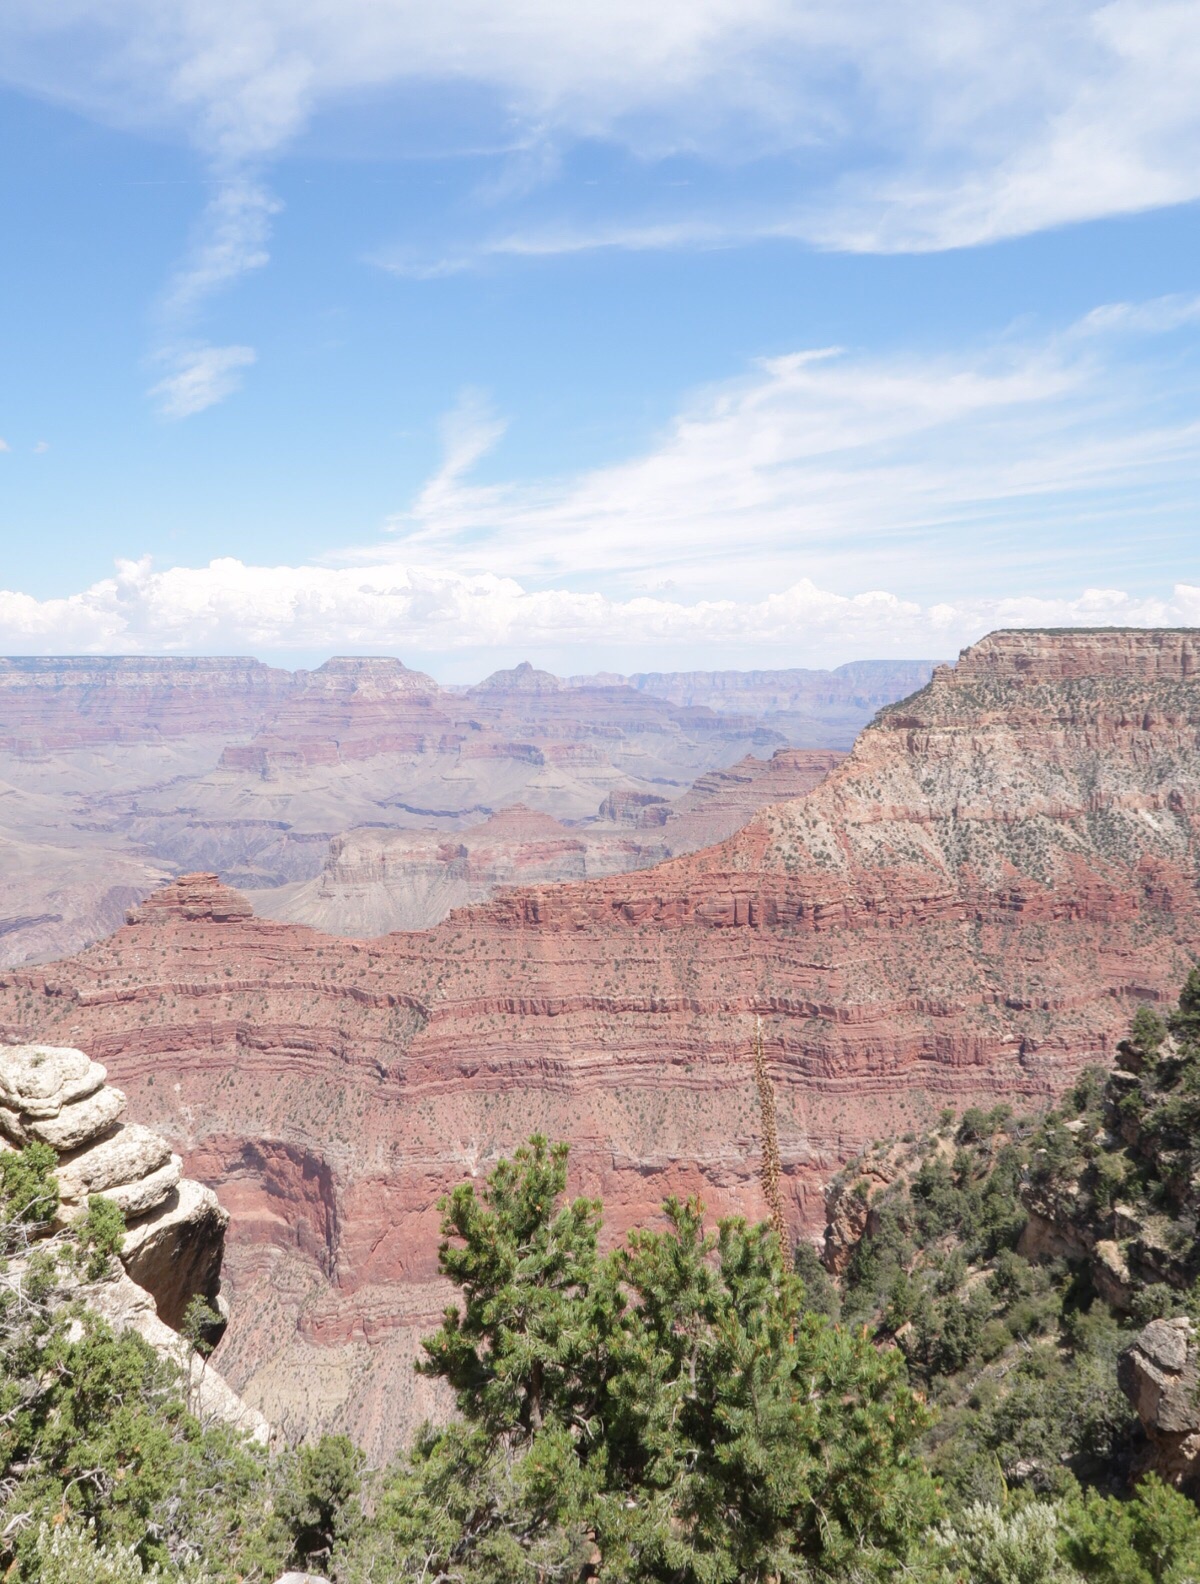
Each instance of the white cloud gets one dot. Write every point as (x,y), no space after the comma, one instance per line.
(4,445)
(849,467)
(946,122)
(41,448)
(201,377)
(932,123)
(231,240)
(1158,317)
(816,509)
(228,607)
(468,433)
(562,241)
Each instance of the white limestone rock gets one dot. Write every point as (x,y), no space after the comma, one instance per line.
(128,1307)
(128,1155)
(38,1080)
(80,1122)
(12,1129)
(137,1198)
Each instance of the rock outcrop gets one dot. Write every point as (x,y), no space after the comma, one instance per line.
(174,1241)
(129,1307)
(968,907)
(849,1214)
(1159,1374)
(175,1234)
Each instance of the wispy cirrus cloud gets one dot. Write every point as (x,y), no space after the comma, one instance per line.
(909,124)
(893,125)
(230,241)
(843,465)
(468,433)
(199,378)
(828,504)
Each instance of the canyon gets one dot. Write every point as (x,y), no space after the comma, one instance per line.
(116,774)
(968,906)
(374,881)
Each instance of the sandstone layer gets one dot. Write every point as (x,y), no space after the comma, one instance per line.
(969,906)
(117,774)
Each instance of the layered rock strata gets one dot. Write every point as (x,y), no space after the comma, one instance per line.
(118,773)
(968,907)
(377,880)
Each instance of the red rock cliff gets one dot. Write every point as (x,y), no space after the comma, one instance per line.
(968,906)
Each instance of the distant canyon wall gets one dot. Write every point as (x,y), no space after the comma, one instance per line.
(118,773)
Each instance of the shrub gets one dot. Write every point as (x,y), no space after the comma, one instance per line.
(68,1553)
(987,1545)
(101,1236)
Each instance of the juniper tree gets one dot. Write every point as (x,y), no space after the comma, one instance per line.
(668,1412)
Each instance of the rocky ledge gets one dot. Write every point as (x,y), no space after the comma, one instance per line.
(175,1228)
(1158,1373)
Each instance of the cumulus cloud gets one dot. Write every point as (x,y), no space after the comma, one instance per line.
(200,377)
(4,445)
(228,606)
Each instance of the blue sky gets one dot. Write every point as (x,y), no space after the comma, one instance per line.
(707,334)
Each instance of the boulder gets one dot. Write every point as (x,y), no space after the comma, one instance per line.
(79,1123)
(125,1157)
(38,1080)
(1158,1374)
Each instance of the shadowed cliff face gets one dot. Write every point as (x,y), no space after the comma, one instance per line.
(969,906)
